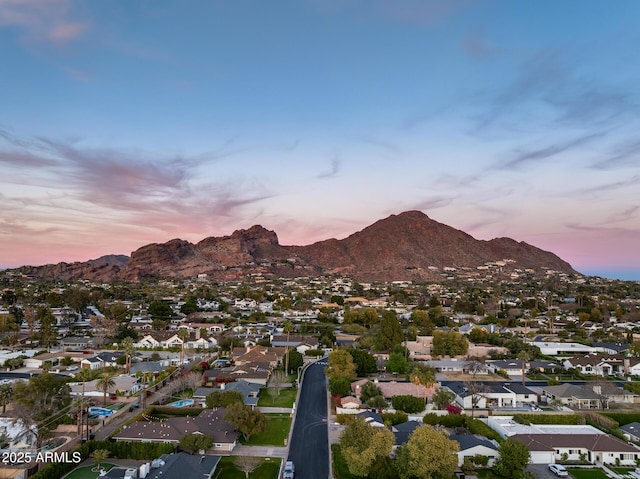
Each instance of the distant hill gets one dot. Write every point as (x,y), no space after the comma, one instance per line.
(407,246)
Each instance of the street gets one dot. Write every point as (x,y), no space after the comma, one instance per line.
(309,448)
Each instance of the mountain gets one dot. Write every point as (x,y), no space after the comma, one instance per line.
(407,246)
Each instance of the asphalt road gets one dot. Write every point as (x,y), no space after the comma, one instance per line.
(309,448)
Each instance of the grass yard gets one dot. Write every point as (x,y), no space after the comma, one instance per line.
(623,471)
(227,469)
(86,473)
(277,431)
(587,473)
(286,398)
(340,469)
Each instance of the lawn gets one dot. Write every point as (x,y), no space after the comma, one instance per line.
(622,470)
(340,469)
(277,431)
(286,398)
(227,469)
(588,473)
(85,472)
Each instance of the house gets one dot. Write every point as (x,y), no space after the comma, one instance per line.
(301,343)
(182,465)
(461,366)
(18,434)
(594,448)
(350,402)
(631,431)
(209,422)
(597,364)
(125,384)
(507,427)
(372,418)
(255,374)
(549,348)
(394,388)
(402,431)
(475,444)
(588,395)
(92,363)
(249,390)
(493,395)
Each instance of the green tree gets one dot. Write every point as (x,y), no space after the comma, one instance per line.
(389,333)
(160,310)
(195,442)
(428,454)
(245,419)
(361,444)
(408,404)
(369,390)
(422,375)
(105,382)
(449,343)
(397,363)
(129,351)
(294,359)
(40,399)
(223,398)
(514,458)
(6,395)
(377,402)
(364,361)
(99,456)
(340,363)
(340,385)
(443,397)
(422,320)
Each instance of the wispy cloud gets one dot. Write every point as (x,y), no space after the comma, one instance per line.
(523,157)
(42,20)
(333,172)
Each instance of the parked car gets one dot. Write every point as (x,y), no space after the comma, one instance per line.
(558,470)
(288,470)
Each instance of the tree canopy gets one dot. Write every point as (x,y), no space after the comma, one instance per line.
(362,444)
(428,454)
(340,363)
(245,419)
(514,458)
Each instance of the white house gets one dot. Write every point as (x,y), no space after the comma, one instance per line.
(475,444)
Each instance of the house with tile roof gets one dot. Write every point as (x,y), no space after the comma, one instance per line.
(594,448)
(209,422)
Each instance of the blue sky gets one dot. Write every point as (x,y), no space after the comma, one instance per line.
(129,122)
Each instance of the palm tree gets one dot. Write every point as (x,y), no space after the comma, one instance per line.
(6,394)
(524,357)
(129,351)
(105,382)
(182,334)
(287,327)
(99,456)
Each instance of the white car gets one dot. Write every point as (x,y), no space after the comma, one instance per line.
(558,470)
(288,470)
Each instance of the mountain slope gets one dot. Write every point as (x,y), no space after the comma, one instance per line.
(407,246)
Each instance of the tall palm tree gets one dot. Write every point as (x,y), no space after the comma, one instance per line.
(129,351)
(524,357)
(105,382)
(182,334)
(287,327)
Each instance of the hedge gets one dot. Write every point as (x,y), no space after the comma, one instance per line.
(566,419)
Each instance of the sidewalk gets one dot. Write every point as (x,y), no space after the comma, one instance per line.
(259,451)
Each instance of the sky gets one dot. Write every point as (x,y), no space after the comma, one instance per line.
(130,122)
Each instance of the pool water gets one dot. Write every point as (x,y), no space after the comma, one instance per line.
(182,403)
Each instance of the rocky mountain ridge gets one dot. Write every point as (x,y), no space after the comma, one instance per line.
(407,246)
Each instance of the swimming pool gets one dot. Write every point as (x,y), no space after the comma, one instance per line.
(182,403)
(100,411)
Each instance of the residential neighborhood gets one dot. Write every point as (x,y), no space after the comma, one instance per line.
(217,368)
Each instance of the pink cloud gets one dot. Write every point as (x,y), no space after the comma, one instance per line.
(41,20)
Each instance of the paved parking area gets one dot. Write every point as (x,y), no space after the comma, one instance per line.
(541,471)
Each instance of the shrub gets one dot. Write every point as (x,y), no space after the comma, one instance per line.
(393,418)
(451,420)
(409,404)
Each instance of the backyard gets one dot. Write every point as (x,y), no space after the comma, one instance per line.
(85,472)
(285,399)
(227,469)
(277,431)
